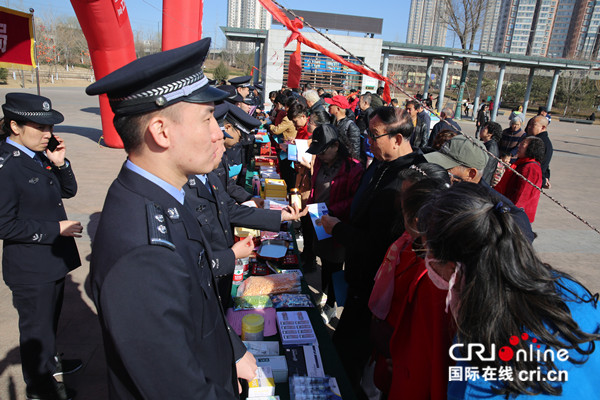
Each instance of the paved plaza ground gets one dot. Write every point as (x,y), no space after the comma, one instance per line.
(562,241)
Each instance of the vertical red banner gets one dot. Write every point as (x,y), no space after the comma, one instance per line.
(295,68)
(16,39)
(182,23)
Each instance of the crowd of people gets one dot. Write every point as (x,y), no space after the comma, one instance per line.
(432,234)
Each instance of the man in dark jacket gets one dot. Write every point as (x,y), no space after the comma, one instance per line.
(376,99)
(165,334)
(346,126)
(538,126)
(424,114)
(420,135)
(364,104)
(313,101)
(370,231)
(447,123)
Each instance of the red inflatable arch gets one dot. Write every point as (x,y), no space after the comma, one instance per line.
(106,26)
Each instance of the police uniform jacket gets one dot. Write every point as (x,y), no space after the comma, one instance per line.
(31,207)
(165,335)
(234,190)
(217,212)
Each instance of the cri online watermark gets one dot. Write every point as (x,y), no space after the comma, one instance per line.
(507,353)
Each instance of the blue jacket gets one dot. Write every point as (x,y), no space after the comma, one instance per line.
(582,381)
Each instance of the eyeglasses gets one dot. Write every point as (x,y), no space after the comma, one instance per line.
(373,137)
(454,178)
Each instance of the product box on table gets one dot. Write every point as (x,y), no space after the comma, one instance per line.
(304,361)
(277,364)
(295,328)
(262,348)
(263,384)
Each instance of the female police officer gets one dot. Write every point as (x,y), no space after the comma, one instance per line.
(39,249)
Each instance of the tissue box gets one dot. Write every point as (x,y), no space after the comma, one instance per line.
(277,364)
(263,384)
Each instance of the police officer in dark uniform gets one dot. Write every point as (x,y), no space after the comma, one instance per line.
(237,124)
(165,335)
(217,212)
(242,85)
(39,246)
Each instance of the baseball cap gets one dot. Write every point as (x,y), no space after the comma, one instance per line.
(459,151)
(339,101)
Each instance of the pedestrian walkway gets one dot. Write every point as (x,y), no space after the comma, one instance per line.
(563,241)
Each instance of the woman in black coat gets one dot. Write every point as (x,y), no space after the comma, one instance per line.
(39,247)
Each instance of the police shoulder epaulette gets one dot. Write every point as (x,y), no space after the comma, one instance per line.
(158,233)
(6,155)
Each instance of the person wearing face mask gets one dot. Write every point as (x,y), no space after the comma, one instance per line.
(539,323)
(410,329)
(336,176)
(38,240)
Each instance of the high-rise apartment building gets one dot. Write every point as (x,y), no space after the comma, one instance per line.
(425,24)
(246,14)
(525,26)
(489,27)
(582,38)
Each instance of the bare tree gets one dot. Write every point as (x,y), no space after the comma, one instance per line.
(465,20)
(70,41)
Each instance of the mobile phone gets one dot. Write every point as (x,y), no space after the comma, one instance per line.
(53,143)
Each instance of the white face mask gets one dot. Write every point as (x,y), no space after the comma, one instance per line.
(442,284)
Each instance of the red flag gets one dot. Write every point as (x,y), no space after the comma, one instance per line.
(16,39)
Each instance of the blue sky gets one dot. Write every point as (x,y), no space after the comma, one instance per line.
(146,15)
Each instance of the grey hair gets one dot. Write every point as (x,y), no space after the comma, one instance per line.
(448,112)
(311,95)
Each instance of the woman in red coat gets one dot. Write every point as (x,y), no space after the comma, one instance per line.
(529,157)
(335,179)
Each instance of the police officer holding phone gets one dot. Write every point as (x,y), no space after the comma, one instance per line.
(39,248)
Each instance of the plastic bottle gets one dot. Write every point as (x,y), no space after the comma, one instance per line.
(255,184)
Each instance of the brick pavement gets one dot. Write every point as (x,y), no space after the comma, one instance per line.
(563,241)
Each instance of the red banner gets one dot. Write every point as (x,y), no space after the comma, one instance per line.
(296,25)
(16,39)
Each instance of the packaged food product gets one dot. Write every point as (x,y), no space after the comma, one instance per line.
(270,284)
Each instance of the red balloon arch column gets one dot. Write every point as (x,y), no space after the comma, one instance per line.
(107,30)
(106,26)
(182,23)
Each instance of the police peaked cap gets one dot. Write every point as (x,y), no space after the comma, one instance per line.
(159,80)
(27,107)
(220,113)
(241,81)
(234,97)
(240,119)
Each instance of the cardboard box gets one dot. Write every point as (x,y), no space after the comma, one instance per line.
(278,366)
(263,384)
